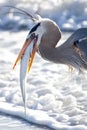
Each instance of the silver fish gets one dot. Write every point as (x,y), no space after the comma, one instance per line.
(23,70)
(26,55)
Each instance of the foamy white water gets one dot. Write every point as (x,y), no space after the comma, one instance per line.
(69,14)
(56,98)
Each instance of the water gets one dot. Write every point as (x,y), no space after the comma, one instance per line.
(52,100)
(68,14)
(12,123)
(56,98)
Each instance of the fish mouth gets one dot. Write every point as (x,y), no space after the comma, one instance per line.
(32,52)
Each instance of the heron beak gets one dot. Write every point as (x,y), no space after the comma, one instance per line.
(33,51)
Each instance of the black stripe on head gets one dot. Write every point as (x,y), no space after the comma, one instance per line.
(34,28)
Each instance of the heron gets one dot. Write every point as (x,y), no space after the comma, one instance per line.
(46,35)
(43,38)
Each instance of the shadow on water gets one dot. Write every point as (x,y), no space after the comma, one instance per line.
(8,122)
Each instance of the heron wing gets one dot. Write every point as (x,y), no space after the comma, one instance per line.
(81,48)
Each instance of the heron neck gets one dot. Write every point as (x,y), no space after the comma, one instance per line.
(51,53)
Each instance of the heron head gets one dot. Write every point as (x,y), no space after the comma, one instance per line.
(46,32)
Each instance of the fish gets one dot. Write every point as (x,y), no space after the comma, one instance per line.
(26,57)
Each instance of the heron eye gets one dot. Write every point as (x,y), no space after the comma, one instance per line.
(33,35)
(34,28)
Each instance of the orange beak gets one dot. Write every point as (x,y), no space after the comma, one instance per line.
(26,44)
